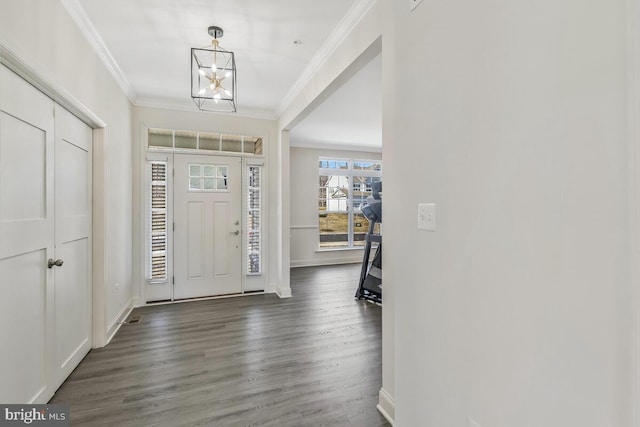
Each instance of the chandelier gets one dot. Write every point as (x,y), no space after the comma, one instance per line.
(213,76)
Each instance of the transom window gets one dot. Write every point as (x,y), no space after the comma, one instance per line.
(208,177)
(343,188)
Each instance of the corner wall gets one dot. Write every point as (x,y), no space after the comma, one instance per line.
(304,208)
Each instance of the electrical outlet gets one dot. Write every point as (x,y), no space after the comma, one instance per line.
(427,216)
(413,4)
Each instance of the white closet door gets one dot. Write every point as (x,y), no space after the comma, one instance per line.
(72,241)
(45,215)
(26,241)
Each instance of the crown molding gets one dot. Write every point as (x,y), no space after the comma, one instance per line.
(86,27)
(357,11)
(180,104)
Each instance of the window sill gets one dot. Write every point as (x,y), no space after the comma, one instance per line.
(339,249)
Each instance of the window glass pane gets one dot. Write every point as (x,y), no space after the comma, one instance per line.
(209,141)
(185,139)
(252,145)
(160,138)
(362,190)
(209,183)
(194,184)
(194,170)
(334,164)
(334,193)
(232,143)
(208,171)
(222,172)
(334,229)
(221,183)
(360,228)
(367,165)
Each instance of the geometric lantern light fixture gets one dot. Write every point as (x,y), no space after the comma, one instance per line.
(213,76)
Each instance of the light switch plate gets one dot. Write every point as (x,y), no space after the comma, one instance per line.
(427,216)
(413,4)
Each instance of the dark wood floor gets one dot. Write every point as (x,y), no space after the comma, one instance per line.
(313,360)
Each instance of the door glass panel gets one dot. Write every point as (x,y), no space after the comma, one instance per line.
(208,171)
(221,184)
(194,170)
(209,184)
(194,183)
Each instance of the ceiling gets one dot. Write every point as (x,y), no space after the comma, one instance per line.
(146,44)
(351,118)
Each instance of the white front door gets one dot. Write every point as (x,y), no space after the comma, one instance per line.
(45,215)
(207,236)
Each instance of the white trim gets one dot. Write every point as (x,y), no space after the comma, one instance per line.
(633,156)
(321,262)
(37,77)
(118,321)
(184,104)
(357,11)
(303,227)
(352,248)
(86,27)
(180,301)
(386,406)
(283,292)
(324,145)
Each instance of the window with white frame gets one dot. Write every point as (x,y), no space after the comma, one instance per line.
(343,188)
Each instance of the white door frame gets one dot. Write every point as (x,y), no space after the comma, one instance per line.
(633,165)
(39,78)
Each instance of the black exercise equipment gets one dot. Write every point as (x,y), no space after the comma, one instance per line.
(370,285)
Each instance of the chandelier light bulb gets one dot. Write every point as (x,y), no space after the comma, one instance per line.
(202,91)
(216,96)
(227,74)
(227,92)
(201,71)
(214,68)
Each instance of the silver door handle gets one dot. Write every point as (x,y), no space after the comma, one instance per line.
(236,232)
(56,263)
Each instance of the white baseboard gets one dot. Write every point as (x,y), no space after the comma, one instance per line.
(386,406)
(115,324)
(321,262)
(283,293)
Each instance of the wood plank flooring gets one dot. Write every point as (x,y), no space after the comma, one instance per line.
(312,360)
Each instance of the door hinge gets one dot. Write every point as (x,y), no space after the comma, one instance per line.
(174,226)
(173,280)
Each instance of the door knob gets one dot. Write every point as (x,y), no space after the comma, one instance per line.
(236,232)
(56,263)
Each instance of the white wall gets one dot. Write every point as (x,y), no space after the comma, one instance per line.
(200,121)
(511,116)
(45,37)
(304,207)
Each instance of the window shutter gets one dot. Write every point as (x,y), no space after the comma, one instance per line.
(158,222)
(254,240)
